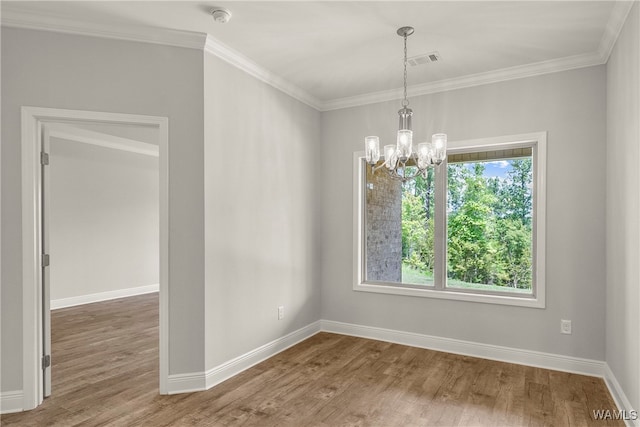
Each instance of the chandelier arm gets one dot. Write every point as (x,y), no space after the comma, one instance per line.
(375,168)
(393,173)
(415,175)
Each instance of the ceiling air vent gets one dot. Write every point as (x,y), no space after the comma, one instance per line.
(423,59)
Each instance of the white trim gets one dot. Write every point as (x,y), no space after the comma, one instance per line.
(616,21)
(192,40)
(104,140)
(31,272)
(358,202)
(618,394)
(163,187)
(33,119)
(235,366)
(538,141)
(198,381)
(11,401)
(15,18)
(186,383)
(238,60)
(524,301)
(468,348)
(480,79)
(103,296)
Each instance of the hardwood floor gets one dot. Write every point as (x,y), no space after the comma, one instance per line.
(105,372)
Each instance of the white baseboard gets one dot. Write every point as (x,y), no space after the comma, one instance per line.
(619,395)
(469,348)
(11,401)
(198,381)
(103,296)
(185,383)
(247,360)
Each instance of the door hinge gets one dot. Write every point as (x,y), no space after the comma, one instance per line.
(46,361)
(44,158)
(45,260)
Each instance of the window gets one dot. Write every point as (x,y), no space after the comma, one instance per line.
(473,229)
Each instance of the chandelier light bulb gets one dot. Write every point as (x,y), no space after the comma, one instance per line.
(390,157)
(372,144)
(439,142)
(405,144)
(425,152)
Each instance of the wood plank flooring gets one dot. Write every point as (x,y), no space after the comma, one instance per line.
(105,372)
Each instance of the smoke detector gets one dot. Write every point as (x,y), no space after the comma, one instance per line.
(221,15)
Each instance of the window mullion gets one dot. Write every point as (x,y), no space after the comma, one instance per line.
(440,227)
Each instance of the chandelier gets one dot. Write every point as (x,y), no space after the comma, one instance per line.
(401,155)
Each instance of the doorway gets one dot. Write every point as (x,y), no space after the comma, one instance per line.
(38,126)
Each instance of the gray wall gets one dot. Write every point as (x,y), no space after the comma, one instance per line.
(571,107)
(47,69)
(251,234)
(262,181)
(104,219)
(623,209)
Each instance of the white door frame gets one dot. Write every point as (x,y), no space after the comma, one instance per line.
(32,120)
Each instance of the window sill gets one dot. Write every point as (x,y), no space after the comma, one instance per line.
(382,288)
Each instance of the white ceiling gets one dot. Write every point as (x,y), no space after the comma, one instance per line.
(339,53)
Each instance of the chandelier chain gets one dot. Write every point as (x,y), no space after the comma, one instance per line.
(405,102)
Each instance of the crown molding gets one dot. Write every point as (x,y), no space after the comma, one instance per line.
(19,19)
(616,21)
(14,18)
(235,58)
(27,20)
(496,76)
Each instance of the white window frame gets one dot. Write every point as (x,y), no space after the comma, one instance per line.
(538,142)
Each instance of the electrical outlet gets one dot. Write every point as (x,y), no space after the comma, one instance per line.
(565,327)
(281,312)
